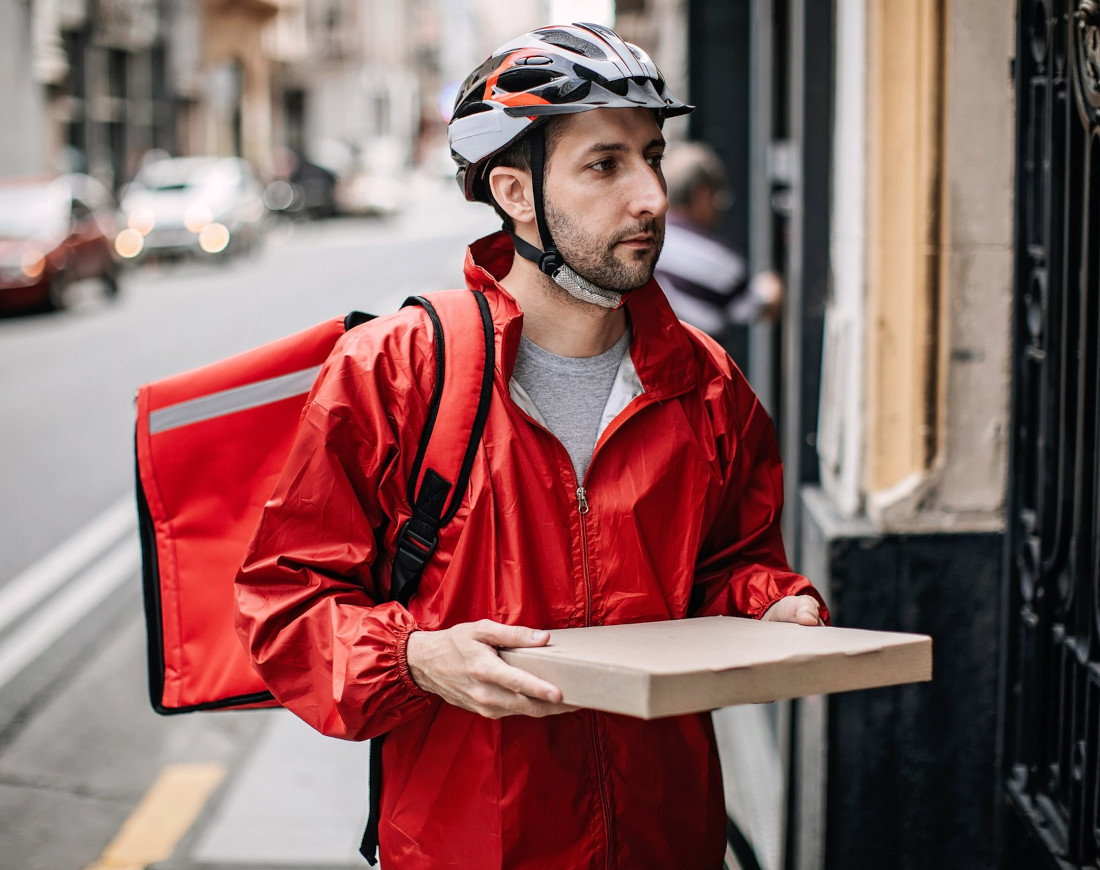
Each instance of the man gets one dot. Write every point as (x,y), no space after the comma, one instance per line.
(626,474)
(706,282)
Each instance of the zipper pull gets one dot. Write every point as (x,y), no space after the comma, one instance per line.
(582,500)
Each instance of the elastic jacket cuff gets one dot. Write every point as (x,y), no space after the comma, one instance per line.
(401,651)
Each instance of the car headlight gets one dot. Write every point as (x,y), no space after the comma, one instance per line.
(32,262)
(142,220)
(129,242)
(197,217)
(214,238)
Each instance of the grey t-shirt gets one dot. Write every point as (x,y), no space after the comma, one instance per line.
(570,393)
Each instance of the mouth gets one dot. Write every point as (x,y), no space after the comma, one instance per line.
(643,241)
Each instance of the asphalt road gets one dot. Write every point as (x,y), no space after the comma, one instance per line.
(87,770)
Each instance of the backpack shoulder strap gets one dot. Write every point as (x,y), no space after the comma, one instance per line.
(465,357)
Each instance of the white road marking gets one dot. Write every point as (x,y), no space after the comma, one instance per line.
(92,586)
(48,574)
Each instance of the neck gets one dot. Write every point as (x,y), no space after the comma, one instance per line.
(556,321)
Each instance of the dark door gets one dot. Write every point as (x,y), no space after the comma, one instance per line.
(1051,710)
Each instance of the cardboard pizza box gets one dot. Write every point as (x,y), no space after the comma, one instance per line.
(659,669)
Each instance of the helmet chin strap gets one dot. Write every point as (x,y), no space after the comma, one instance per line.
(575,285)
(550,261)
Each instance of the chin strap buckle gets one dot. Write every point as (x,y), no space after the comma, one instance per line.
(550,262)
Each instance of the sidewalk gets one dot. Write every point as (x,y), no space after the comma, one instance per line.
(299,800)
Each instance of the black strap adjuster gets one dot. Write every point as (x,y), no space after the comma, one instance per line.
(414,550)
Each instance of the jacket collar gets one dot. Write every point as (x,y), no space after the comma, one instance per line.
(663,354)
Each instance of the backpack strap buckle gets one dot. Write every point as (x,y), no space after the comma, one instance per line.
(414,548)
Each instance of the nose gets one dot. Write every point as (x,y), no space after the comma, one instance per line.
(650,198)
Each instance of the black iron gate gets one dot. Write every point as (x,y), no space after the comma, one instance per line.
(1052,698)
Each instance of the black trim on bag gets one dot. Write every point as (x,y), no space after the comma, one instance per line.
(235,702)
(437,391)
(150,582)
(484,400)
(357,318)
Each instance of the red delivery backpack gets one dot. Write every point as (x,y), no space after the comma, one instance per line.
(210,446)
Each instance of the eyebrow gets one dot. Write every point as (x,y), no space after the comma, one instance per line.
(605,147)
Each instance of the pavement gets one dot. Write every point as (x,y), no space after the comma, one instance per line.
(298,800)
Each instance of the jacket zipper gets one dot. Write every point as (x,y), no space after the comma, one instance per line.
(582,507)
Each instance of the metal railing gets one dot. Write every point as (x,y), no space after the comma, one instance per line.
(1052,697)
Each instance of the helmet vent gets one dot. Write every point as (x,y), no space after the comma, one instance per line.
(570,42)
(471,109)
(517,80)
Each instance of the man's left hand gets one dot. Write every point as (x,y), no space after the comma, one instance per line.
(800,609)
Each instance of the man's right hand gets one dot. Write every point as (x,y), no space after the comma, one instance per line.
(461,665)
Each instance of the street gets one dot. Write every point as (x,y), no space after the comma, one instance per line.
(90,776)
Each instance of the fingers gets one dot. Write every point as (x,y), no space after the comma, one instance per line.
(508,677)
(799,609)
(491,670)
(496,634)
(806,610)
(497,689)
(496,702)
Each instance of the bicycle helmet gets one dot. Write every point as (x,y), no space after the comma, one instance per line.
(551,71)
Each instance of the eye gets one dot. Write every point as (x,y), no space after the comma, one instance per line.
(605,165)
(655,160)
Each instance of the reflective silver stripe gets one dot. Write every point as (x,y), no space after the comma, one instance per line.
(230,401)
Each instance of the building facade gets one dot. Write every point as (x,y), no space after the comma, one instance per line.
(113,80)
(20,96)
(95,85)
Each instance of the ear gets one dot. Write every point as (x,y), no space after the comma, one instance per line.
(511,188)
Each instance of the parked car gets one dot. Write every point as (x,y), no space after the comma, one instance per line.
(374,179)
(199,206)
(53,233)
(303,190)
(370,192)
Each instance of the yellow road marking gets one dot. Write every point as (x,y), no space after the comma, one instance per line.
(164,815)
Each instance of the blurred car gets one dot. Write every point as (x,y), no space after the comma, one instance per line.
(369,192)
(303,191)
(53,233)
(200,206)
(373,180)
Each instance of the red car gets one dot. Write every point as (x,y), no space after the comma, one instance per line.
(53,233)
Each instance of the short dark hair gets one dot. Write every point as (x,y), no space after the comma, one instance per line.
(518,156)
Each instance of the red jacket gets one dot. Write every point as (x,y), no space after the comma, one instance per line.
(684,495)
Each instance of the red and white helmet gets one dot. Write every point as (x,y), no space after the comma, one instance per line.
(551,71)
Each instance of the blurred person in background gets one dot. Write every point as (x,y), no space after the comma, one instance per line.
(626,474)
(706,281)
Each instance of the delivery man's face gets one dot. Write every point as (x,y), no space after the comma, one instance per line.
(605,195)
